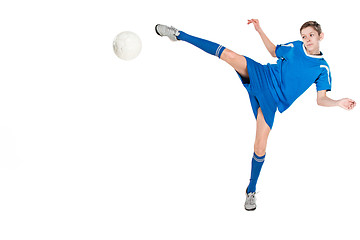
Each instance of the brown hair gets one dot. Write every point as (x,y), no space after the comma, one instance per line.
(312,24)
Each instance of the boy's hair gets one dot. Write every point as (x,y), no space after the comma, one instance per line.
(312,24)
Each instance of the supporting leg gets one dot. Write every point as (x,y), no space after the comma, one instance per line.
(262,134)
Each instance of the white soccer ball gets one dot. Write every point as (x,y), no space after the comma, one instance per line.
(127,45)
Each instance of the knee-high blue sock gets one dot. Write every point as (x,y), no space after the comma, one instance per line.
(207,46)
(256,166)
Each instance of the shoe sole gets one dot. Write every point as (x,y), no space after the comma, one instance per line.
(157,30)
(250,209)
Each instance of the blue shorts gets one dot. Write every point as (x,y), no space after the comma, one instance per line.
(258,88)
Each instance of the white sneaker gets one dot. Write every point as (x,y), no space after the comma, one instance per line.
(170,32)
(250,203)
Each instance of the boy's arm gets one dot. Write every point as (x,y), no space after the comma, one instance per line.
(268,44)
(323,100)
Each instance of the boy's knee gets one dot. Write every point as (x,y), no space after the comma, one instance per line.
(260,149)
(227,55)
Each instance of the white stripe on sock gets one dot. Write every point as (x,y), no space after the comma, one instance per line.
(218,50)
(258,159)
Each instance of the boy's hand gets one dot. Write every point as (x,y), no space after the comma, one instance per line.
(346,103)
(256,24)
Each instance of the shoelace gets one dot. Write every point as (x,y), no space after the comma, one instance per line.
(251,198)
(165,30)
(173,30)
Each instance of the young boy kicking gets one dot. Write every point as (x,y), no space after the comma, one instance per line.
(273,86)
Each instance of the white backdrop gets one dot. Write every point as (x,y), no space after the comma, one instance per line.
(93,147)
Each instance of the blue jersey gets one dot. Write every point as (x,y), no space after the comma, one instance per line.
(294,72)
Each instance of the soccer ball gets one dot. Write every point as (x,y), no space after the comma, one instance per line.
(127,45)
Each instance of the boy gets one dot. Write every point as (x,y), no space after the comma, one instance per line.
(273,86)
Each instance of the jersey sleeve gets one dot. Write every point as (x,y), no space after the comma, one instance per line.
(324,80)
(282,50)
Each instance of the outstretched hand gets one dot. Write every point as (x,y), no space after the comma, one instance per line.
(346,103)
(256,24)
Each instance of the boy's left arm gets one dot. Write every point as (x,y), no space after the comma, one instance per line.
(268,44)
(325,101)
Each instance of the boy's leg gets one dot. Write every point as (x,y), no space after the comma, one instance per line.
(205,45)
(237,61)
(262,134)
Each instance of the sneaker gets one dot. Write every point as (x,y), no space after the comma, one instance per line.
(169,32)
(250,203)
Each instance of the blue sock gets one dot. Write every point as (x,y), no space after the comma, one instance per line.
(256,166)
(207,46)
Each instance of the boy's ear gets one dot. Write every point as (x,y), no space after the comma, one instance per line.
(321,36)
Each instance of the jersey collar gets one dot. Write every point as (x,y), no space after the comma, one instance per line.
(312,56)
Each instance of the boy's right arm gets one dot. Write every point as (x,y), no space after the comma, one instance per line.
(268,44)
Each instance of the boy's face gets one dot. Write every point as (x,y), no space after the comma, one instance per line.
(311,39)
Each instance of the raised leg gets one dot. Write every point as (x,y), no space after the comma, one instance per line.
(238,62)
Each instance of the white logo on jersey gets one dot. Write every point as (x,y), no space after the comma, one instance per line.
(328,71)
(287,45)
